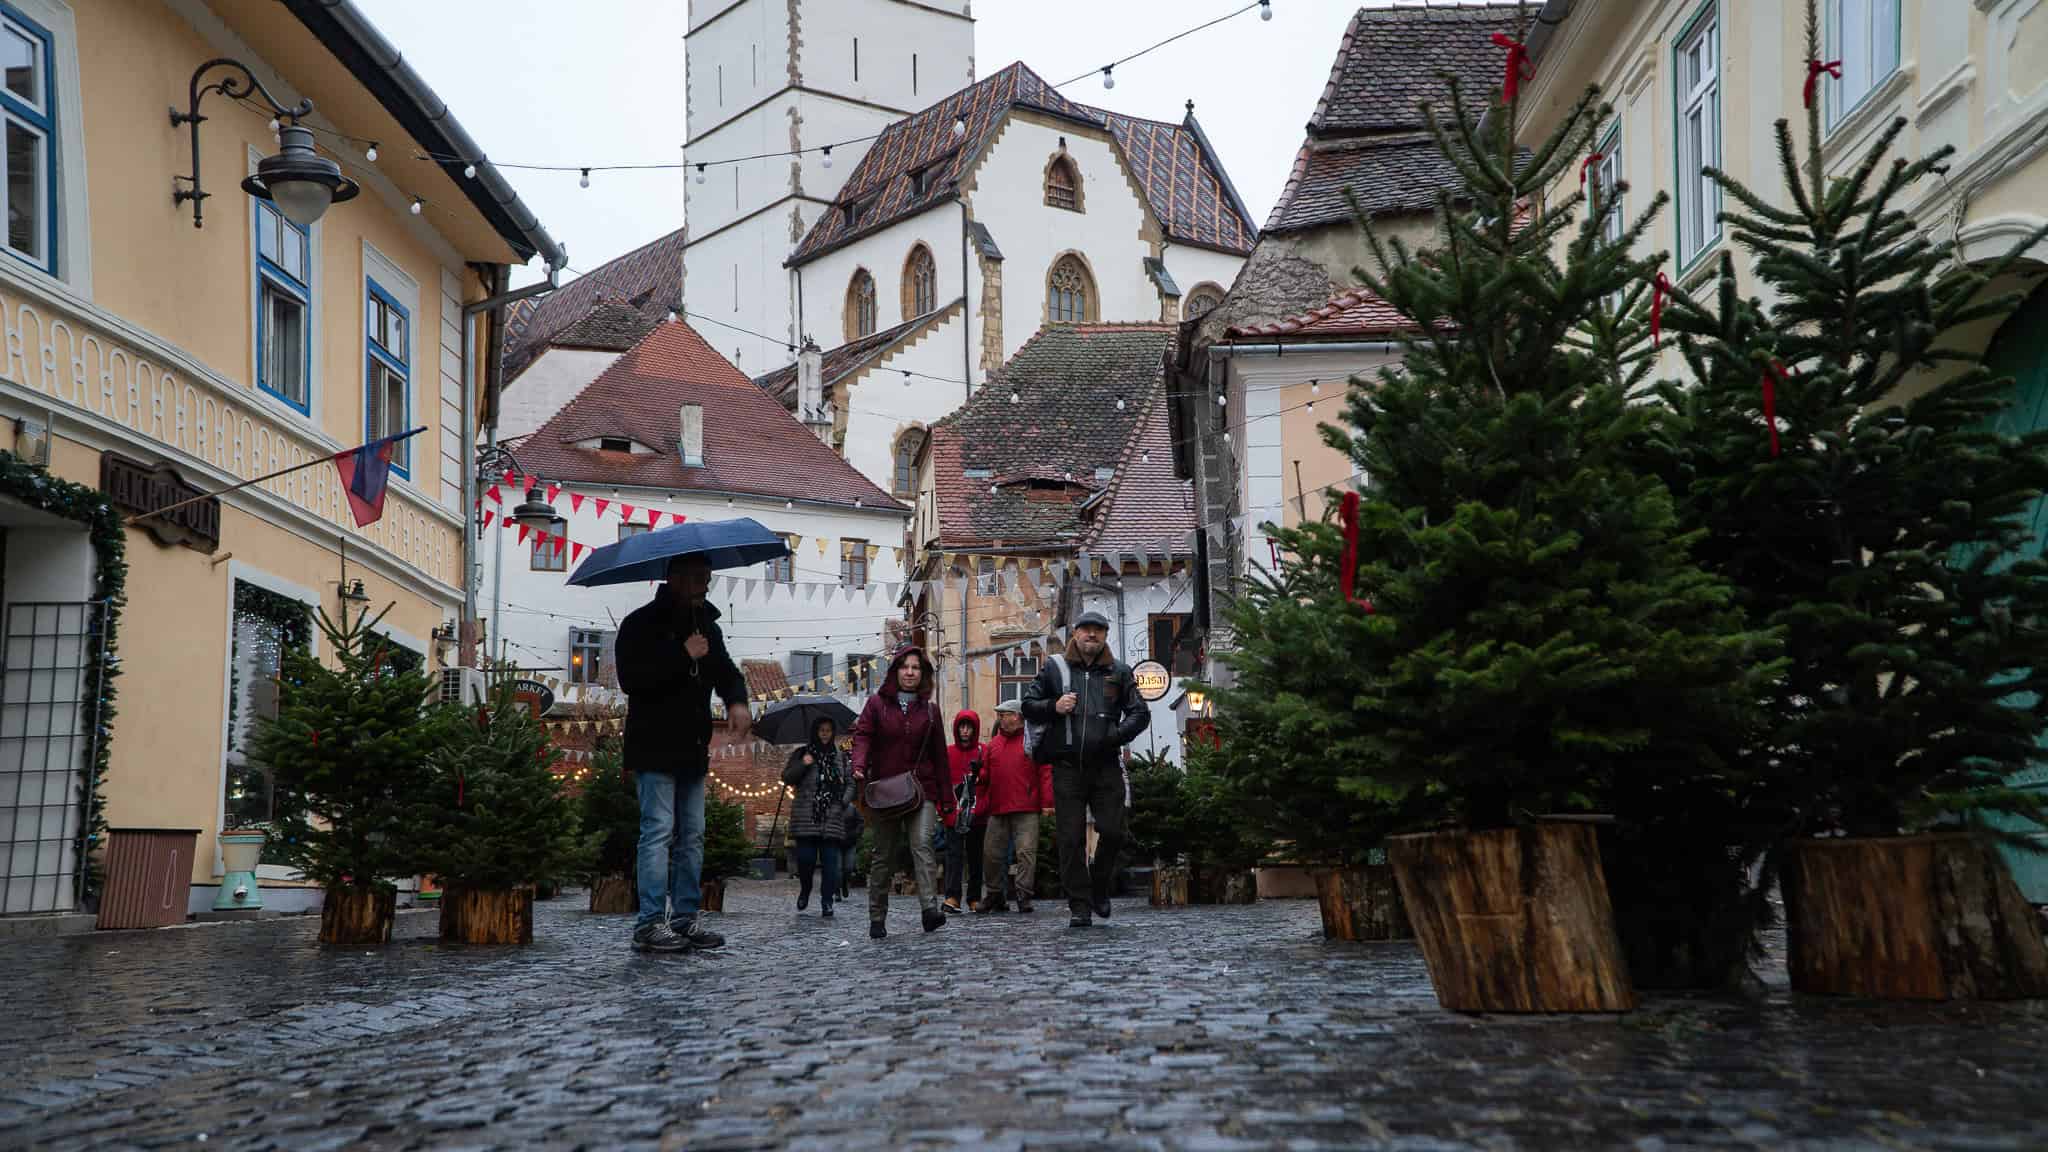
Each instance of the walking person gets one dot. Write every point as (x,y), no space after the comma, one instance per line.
(849,847)
(671,658)
(901,734)
(1019,790)
(824,795)
(968,822)
(1090,707)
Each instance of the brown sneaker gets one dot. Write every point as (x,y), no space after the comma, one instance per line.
(990,904)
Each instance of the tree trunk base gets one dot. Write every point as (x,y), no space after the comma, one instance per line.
(487,916)
(712,896)
(1362,903)
(1514,919)
(1933,917)
(352,917)
(613,896)
(1169,887)
(1221,886)
(1684,908)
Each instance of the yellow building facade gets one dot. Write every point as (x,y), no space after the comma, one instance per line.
(147,359)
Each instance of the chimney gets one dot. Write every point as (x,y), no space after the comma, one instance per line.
(692,442)
(810,390)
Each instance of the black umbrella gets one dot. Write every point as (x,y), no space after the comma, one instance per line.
(793,720)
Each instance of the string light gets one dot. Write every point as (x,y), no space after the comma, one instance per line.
(700,173)
(1315,387)
(371,153)
(959,127)
(1265,9)
(1109,76)
(469,172)
(827,155)
(417,205)
(584,181)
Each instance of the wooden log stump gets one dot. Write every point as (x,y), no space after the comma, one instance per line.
(487,915)
(1170,887)
(1362,903)
(1223,886)
(712,896)
(614,895)
(1931,917)
(356,917)
(1514,919)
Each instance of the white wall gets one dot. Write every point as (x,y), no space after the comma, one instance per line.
(890,32)
(883,254)
(558,376)
(537,609)
(1193,267)
(50,564)
(884,402)
(1131,642)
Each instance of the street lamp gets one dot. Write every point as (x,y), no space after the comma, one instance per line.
(300,181)
(534,512)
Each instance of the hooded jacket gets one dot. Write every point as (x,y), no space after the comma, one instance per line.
(902,732)
(1011,781)
(962,762)
(668,727)
(1108,713)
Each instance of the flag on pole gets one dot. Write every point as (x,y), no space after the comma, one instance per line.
(365,472)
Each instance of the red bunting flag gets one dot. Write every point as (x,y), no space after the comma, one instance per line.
(1518,66)
(509,481)
(677,517)
(575,501)
(576,551)
(488,514)
(561,544)
(496,496)
(1814,69)
(554,490)
(523,530)
(653,517)
(601,502)
(626,512)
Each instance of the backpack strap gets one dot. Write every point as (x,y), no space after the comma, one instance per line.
(1059,661)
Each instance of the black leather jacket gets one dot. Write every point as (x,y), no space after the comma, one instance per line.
(1107,715)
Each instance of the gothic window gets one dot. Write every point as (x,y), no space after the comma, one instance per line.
(920,282)
(904,480)
(1199,301)
(1069,292)
(860,305)
(1063,183)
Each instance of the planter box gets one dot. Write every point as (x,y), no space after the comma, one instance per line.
(1362,903)
(1289,882)
(1220,886)
(712,896)
(1933,917)
(1683,906)
(614,895)
(1514,919)
(487,915)
(352,917)
(1169,887)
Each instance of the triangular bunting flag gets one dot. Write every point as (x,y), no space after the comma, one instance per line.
(561,545)
(821,546)
(488,515)
(575,501)
(496,496)
(523,530)
(653,517)
(676,517)
(625,511)
(509,483)
(810,593)
(601,503)
(576,551)
(554,490)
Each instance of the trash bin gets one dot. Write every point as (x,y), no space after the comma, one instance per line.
(148,877)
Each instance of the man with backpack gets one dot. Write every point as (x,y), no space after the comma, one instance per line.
(1084,708)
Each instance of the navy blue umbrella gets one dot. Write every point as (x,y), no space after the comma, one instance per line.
(739,543)
(792,721)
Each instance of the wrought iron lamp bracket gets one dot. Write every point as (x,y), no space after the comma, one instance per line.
(236,85)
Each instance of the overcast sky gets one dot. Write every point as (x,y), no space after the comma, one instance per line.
(606,87)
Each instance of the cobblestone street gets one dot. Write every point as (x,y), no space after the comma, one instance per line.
(1213,1028)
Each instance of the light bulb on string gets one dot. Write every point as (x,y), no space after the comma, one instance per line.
(1311,407)
(1265,9)
(959,127)
(827,156)
(1222,399)
(275,125)
(1119,403)
(1015,399)
(417,205)
(1108,76)
(700,173)
(1315,387)
(584,180)
(469,172)
(371,154)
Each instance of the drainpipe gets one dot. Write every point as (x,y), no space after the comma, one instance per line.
(492,305)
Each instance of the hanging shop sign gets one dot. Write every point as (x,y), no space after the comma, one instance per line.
(537,696)
(138,488)
(1153,679)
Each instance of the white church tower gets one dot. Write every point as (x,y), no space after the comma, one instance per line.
(774,76)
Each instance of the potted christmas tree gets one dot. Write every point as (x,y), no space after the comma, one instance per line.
(349,747)
(1530,635)
(1860,476)
(610,810)
(727,851)
(1195,826)
(496,821)
(1289,734)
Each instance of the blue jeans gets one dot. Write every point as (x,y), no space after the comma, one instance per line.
(811,852)
(671,846)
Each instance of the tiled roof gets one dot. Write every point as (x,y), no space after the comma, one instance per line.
(764,677)
(1391,62)
(851,357)
(1066,423)
(611,326)
(751,445)
(1357,312)
(1149,508)
(649,278)
(1181,176)
(1403,174)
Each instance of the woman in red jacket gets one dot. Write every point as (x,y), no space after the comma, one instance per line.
(1017,791)
(901,732)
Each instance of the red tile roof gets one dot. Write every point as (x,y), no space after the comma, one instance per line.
(764,677)
(1181,175)
(752,446)
(649,278)
(1356,312)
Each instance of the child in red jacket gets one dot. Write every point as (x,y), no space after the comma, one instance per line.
(1015,791)
(964,818)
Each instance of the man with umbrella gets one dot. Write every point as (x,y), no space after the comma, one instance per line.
(671,657)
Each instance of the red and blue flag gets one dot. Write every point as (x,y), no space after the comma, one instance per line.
(366,474)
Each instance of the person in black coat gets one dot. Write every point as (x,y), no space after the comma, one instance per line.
(671,658)
(1089,717)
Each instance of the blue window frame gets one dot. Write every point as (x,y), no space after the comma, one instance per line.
(387,366)
(284,307)
(28,107)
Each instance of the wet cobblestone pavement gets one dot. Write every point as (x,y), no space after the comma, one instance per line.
(1198,1029)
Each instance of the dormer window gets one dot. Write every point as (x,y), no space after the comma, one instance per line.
(620,444)
(614,444)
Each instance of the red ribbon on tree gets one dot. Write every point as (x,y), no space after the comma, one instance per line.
(316,737)
(1659,289)
(1814,68)
(1518,66)
(1586,165)
(1773,376)
(1347,577)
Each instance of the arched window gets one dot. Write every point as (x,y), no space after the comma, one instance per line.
(904,478)
(1069,292)
(1063,183)
(1199,301)
(920,282)
(860,305)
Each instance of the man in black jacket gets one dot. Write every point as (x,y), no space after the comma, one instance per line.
(671,657)
(1088,721)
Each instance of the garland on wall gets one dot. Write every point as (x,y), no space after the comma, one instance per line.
(35,487)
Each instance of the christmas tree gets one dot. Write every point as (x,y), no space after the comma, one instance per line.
(609,808)
(350,748)
(1527,629)
(1845,459)
(727,850)
(497,815)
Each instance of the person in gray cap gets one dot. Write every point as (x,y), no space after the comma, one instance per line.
(1089,707)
